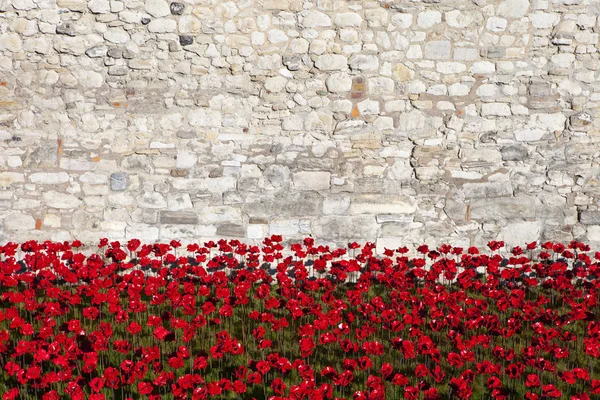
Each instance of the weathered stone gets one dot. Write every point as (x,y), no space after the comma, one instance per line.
(177,8)
(339,227)
(116,35)
(144,233)
(312,180)
(186,40)
(502,208)
(580,122)
(231,230)
(363,62)
(179,201)
(70,45)
(118,181)
(151,200)
(402,20)
(427,19)
(589,217)
(339,82)
(513,8)
(459,19)
(402,73)
(542,20)
(275,84)
(42,157)
(99,6)
(73,5)
(514,153)
(178,218)
(371,204)
(97,51)
(66,28)
(162,25)
(483,67)
(348,19)
(157,8)
(19,222)
(331,62)
(437,50)
(520,233)
(11,42)
(495,109)
(298,204)
(495,24)
(488,189)
(315,19)
(49,178)
(204,118)
(59,200)
(336,205)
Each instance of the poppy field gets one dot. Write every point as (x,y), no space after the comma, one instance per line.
(229,320)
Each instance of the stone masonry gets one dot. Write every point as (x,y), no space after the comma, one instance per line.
(396,121)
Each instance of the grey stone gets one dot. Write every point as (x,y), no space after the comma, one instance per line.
(502,208)
(495,52)
(66,28)
(115,52)
(97,51)
(303,205)
(186,134)
(540,89)
(186,40)
(312,180)
(520,233)
(19,222)
(118,181)
(589,217)
(581,121)
(379,204)
(514,153)
(42,157)
(231,230)
(118,70)
(151,200)
(338,227)
(438,50)
(178,217)
(277,175)
(177,8)
(488,189)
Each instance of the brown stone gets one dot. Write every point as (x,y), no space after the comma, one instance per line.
(179,173)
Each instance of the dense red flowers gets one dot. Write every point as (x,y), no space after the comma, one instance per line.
(231,320)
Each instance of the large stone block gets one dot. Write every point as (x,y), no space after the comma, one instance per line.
(312,180)
(178,217)
(56,199)
(355,227)
(19,222)
(305,204)
(492,209)
(378,204)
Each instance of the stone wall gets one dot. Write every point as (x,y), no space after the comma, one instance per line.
(398,121)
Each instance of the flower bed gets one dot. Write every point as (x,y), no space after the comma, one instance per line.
(231,320)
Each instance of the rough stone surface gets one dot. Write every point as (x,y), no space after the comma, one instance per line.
(118,181)
(462,120)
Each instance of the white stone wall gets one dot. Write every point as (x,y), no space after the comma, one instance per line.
(456,121)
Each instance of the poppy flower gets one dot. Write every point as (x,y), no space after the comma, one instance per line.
(145,388)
